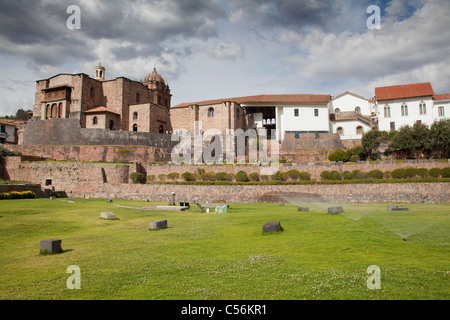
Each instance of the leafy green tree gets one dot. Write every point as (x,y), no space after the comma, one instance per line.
(371,141)
(440,139)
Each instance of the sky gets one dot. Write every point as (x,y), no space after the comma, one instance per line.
(214,49)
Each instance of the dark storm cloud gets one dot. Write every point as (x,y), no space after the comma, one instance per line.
(37,29)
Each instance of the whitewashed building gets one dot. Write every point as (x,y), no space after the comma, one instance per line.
(402,105)
(350,115)
(8,133)
(442,106)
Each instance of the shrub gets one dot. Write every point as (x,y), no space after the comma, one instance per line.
(138,177)
(17,195)
(435,172)
(187,176)
(375,174)
(338,155)
(399,173)
(335,175)
(354,158)
(387,174)
(347,175)
(151,178)
(173,176)
(162,177)
(254,176)
(207,176)
(325,175)
(305,176)
(5,152)
(264,177)
(446,173)
(422,172)
(242,176)
(200,171)
(221,176)
(410,172)
(293,174)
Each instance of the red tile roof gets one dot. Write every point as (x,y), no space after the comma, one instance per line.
(442,96)
(100,110)
(266,99)
(404,91)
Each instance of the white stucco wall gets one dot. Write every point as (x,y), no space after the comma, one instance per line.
(349,102)
(384,123)
(306,120)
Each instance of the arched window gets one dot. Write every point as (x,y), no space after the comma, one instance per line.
(135,128)
(404,109)
(358,110)
(238,113)
(60,110)
(211,112)
(54,111)
(340,131)
(48,112)
(94,121)
(135,115)
(337,112)
(111,125)
(92,92)
(422,108)
(387,111)
(359,130)
(138,97)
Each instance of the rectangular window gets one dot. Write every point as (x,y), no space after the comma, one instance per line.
(3,128)
(392,126)
(295,112)
(316,112)
(441,112)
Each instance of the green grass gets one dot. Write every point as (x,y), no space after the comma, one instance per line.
(223,256)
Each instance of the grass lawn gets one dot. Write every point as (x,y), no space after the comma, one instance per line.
(223,256)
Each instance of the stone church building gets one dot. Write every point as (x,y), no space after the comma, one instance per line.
(119,104)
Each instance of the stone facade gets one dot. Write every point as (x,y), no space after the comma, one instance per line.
(105,104)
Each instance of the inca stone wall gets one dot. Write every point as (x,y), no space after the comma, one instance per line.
(69,132)
(364,193)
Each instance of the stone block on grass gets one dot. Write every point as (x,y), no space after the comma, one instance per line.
(303,209)
(158,225)
(335,210)
(272,227)
(51,246)
(108,216)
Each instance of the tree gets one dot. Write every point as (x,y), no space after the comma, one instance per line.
(421,143)
(440,138)
(402,143)
(371,141)
(22,115)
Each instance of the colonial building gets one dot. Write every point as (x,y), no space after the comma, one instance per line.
(351,115)
(119,104)
(402,105)
(285,114)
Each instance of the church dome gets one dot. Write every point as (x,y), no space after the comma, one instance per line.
(154,76)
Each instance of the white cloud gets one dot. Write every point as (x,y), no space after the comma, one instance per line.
(414,47)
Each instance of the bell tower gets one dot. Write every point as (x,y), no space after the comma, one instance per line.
(99,72)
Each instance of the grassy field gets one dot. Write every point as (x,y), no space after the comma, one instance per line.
(223,256)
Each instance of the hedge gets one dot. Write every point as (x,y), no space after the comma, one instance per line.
(17,195)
